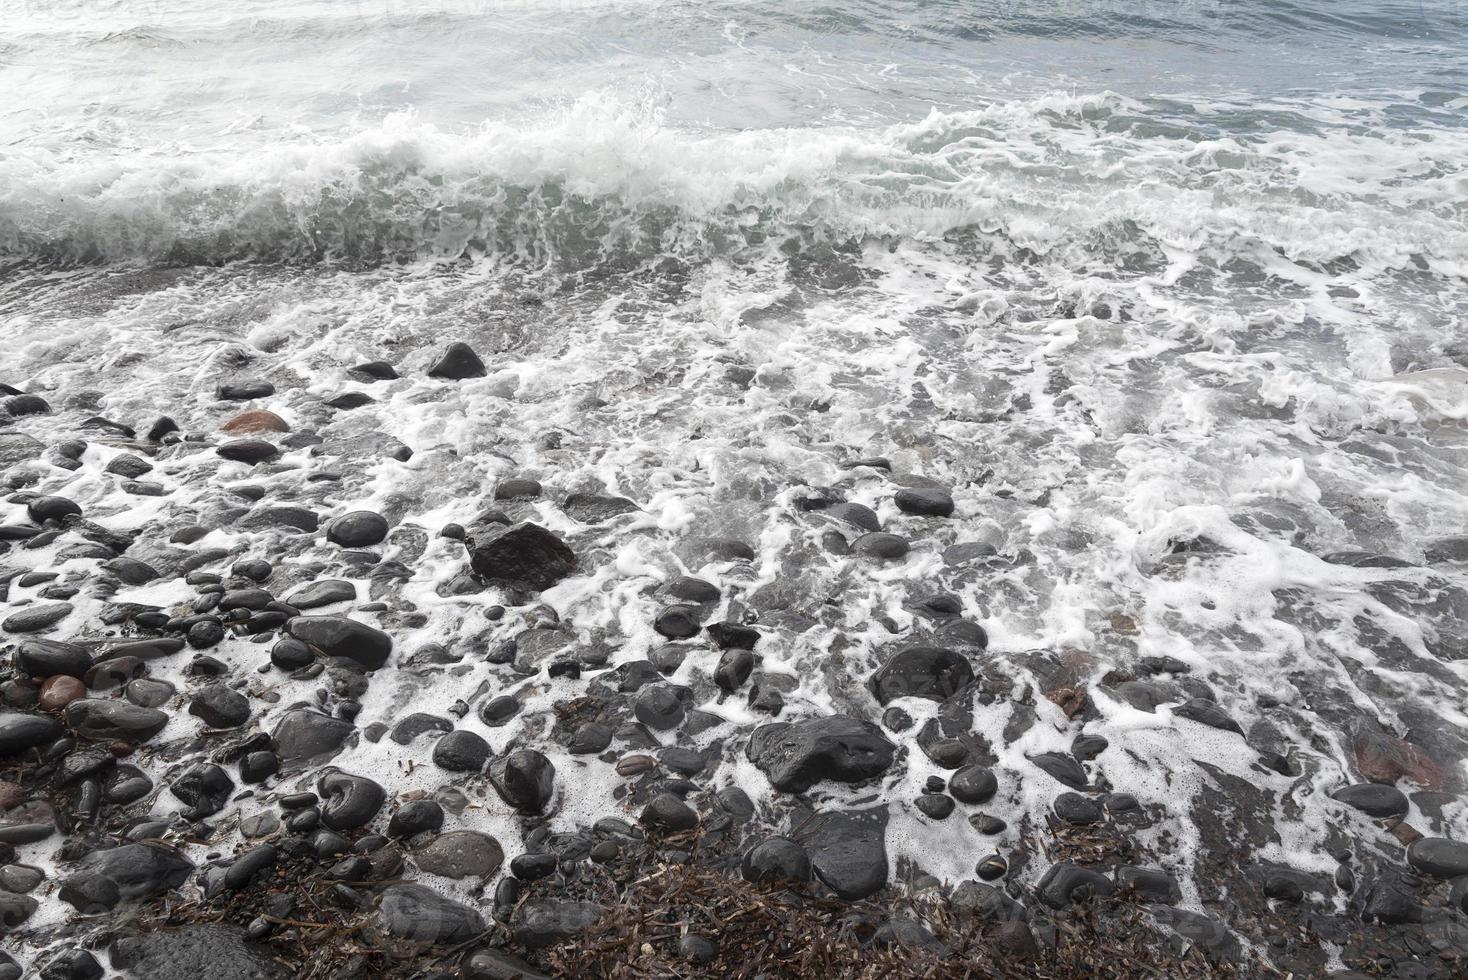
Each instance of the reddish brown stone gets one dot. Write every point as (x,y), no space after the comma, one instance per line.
(59,691)
(1123,624)
(1070,700)
(120,748)
(1385,759)
(256,420)
(11,794)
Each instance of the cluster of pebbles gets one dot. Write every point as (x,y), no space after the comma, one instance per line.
(229,684)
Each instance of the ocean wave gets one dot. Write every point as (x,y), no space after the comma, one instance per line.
(605,180)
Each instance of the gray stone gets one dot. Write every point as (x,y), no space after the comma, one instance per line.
(422,915)
(460,854)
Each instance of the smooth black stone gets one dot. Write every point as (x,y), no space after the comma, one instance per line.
(374,371)
(357,529)
(797,756)
(591,508)
(848,850)
(733,669)
(129,466)
(991,868)
(1148,884)
(205,633)
(497,711)
(289,653)
(691,589)
(1062,767)
(658,707)
(350,801)
(415,817)
(350,399)
(933,673)
(1087,747)
(306,737)
(1283,888)
(1374,799)
(24,404)
(776,859)
(1206,712)
(245,599)
(517,488)
(72,964)
(456,362)
(522,554)
(43,509)
(282,516)
(727,636)
(1076,809)
(250,451)
(525,779)
(105,720)
(924,501)
(243,391)
(140,870)
(856,515)
(881,546)
(1439,857)
(419,914)
(461,751)
(204,788)
(36,617)
(256,767)
(973,784)
(220,707)
(678,622)
(460,854)
(249,865)
(665,812)
(416,724)
(590,738)
(337,636)
(323,593)
(48,658)
(1067,884)
(539,923)
(935,805)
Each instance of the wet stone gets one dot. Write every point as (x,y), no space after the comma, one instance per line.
(1374,799)
(924,501)
(36,617)
(848,850)
(107,720)
(1439,857)
(797,756)
(544,922)
(422,915)
(932,673)
(1076,809)
(1062,767)
(457,362)
(461,751)
(522,554)
(417,724)
(323,593)
(881,546)
(338,636)
(525,779)
(357,529)
(220,707)
(460,854)
(415,817)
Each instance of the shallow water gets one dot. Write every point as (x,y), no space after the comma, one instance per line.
(1171,296)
